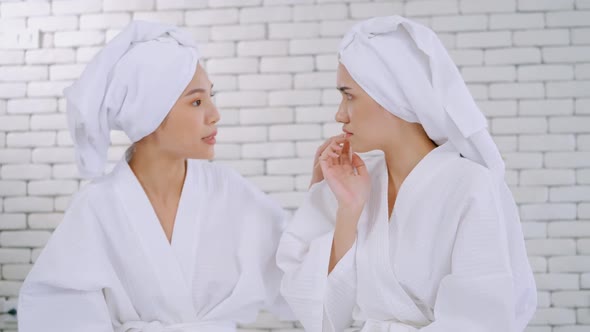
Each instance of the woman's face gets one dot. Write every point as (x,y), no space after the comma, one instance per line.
(370,126)
(189,129)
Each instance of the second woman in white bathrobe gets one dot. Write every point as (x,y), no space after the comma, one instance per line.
(425,237)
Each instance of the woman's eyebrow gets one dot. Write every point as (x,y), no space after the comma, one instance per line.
(342,88)
(196,90)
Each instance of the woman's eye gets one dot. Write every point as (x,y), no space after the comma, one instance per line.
(349,97)
(197,103)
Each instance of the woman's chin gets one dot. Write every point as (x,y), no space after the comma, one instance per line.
(209,155)
(357,147)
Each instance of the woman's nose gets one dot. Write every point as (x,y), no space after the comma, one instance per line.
(341,115)
(214,117)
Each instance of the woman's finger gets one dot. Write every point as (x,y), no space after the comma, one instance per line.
(329,141)
(345,154)
(332,154)
(322,147)
(359,165)
(325,162)
(325,158)
(336,147)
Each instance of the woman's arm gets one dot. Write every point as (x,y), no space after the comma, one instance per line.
(479,293)
(53,309)
(344,233)
(63,290)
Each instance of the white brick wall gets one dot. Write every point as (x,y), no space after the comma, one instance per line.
(527,63)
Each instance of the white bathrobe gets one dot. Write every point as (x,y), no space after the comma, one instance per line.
(440,264)
(109,266)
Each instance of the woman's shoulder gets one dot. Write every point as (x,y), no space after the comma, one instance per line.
(470,178)
(88,196)
(87,209)
(82,213)
(470,170)
(79,231)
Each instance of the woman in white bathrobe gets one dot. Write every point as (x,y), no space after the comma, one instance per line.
(425,237)
(167,241)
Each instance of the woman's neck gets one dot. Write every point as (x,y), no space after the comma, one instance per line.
(161,175)
(401,159)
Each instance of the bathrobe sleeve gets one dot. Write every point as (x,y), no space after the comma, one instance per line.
(63,290)
(478,295)
(320,301)
(55,309)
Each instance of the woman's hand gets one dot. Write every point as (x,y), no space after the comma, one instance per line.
(346,174)
(317,175)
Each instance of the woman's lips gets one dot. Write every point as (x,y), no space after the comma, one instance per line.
(348,134)
(210,139)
